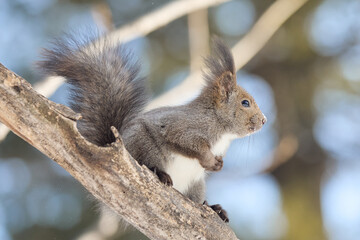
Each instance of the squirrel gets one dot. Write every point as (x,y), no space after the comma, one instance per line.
(180,143)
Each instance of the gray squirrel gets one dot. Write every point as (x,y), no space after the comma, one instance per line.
(180,144)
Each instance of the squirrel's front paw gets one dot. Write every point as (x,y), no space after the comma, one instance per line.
(219,163)
(216,165)
(163,176)
(211,162)
(219,210)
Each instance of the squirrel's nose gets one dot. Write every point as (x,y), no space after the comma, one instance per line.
(264,120)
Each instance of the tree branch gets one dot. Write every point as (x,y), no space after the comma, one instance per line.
(109,173)
(46,87)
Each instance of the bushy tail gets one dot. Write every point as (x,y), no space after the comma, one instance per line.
(106,89)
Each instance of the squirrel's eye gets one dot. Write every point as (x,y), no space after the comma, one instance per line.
(245,103)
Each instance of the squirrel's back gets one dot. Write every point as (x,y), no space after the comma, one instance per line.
(105,86)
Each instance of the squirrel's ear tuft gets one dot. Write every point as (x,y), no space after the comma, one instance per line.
(219,62)
(220,72)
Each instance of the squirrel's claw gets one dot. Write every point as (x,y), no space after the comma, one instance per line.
(219,210)
(163,176)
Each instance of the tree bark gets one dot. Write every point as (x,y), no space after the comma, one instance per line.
(109,173)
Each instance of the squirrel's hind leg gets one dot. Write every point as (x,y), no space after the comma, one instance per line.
(196,193)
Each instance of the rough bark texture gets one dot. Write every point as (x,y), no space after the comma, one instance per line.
(109,173)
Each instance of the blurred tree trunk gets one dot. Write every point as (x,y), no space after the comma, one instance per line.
(294,84)
(300,176)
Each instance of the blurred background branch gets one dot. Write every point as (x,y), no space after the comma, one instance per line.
(198,38)
(265,27)
(284,151)
(243,51)
(102,16)
(160,17)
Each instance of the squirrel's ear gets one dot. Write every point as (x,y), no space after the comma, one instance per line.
(225,84)
(220,74)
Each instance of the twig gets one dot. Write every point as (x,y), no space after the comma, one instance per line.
(243,51)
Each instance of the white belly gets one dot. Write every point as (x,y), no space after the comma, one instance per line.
(185,171)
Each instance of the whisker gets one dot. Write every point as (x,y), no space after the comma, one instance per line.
(248,152)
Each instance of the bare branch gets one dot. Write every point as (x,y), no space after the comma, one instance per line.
(198,38)
(160,18)
(46,87)
(109,173)
(243,51)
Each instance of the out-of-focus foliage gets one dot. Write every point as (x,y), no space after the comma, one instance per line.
(306,80)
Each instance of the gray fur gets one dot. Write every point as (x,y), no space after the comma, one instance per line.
(197,191)
(107,92)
